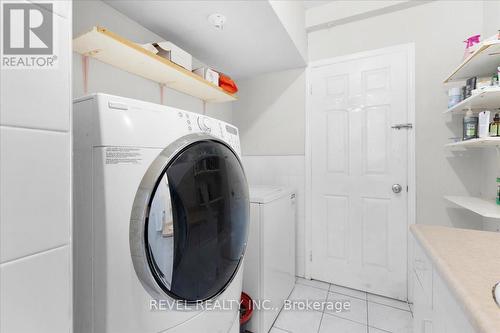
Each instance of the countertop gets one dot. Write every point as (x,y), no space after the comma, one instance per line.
(469,263)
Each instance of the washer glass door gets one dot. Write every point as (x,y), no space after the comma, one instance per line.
(196,224)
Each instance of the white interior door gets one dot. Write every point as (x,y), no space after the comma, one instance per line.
(358,223)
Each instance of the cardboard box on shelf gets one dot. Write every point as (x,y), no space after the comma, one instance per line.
(208,74)
(172,52)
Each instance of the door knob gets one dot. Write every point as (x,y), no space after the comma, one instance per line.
(396,188)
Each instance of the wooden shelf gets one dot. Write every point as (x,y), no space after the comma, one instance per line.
(117,51)
(488,99)
(483,207)
(476,143)
(483,62)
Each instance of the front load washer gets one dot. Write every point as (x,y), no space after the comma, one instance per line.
(161,214)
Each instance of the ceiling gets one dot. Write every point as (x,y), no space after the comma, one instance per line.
(253,41)
(315,3)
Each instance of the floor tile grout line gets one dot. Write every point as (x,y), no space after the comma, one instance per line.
(342,293)
(282,329)
(294,290)
(411,309)
(367,315)
(337,316)
(281,310)
(308,285)
(367,301)
(323,313)
(390,306)
(380,329)
(296,282)
(363,299)
(321,321)
(336,292)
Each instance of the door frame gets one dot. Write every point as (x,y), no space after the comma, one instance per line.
(409,49)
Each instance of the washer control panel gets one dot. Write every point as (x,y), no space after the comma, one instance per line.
(217,128)
(205,124)
(231,135)
(220,129)
(188,118)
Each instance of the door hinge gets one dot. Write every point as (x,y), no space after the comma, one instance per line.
(310,256)
(310,89)
(406,188)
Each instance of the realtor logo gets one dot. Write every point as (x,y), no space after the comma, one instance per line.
(28,35)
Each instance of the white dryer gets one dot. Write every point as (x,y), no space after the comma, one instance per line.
(161,212)
(269,275)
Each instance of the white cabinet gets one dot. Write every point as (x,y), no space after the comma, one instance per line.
(422,291)
(435,309)
(422,309)
(448,316)
(269,274)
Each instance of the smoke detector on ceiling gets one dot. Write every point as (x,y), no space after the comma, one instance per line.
(217,20)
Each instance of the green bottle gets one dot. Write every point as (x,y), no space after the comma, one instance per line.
(498,190)
(470,125)
(495,126)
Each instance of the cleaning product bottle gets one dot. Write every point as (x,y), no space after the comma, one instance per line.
(495,126)
(470,125)
(484,124)
(498,190)
(470,42)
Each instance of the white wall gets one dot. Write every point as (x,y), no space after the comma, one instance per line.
(35,192)
(437,29)
(342,10)
(270,116)
(491,18)
(270,113)
(292,16)
(108,79)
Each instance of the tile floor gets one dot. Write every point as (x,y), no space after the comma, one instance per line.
(368,313)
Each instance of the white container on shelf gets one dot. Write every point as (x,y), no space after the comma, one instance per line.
(454,96)
(484,124)
(172,52)
(208,74)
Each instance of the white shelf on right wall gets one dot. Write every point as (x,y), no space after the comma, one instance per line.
(488,99)
(483,207)
(476,143)
(483,62)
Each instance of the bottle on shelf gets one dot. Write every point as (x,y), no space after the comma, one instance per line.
(495,126)
(498,190)
(484,124)
(470,125)
(471,45)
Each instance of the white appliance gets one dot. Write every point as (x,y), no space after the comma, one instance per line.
(269,275)
(161,208)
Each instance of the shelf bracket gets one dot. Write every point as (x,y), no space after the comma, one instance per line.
(85,72)
(162,90)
